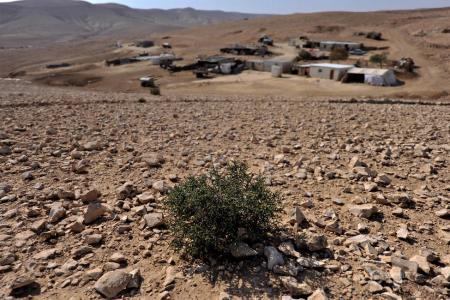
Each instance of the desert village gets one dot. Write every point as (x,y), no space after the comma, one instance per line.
(312,60)
(342,61)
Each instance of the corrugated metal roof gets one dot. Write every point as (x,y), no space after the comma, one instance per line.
(368,71)
(329,66)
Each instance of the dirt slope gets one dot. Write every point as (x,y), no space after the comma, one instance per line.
(34,22)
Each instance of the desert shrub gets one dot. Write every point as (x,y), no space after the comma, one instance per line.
(305,55)
(338,54)
(379,59)
(209,213)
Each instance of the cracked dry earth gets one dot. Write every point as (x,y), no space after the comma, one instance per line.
(365,188)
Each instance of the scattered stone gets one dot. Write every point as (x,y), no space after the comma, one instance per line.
(316,242)
(112,283)
(295,288)
(374,287)
(405,265)
(20,284)
(27,176)
(318,294)
(363,211)
(93,239)
(274,258)
(154,160)
(297,216)
(82,251)
(127,190)
(397,274)
(57,212)
(46,254)
(90,196)
(93,212)
(288,249)
(242,250)
(118,258)
(153,220)
(160,186)
(443,213)
(403,232)
(422,262)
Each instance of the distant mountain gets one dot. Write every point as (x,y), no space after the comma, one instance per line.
(42,21)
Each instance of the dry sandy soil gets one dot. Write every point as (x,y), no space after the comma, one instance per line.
(375,227)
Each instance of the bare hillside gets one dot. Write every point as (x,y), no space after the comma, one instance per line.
(38,21)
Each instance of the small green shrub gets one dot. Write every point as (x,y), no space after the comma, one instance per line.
(379,59)
(209,213)
(338,54)
(305,55)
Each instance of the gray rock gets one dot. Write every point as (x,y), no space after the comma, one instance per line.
(57,212)
(27,176)
(127,190)
(274,257)
(81,251)
(370,187)
(383,180)
(316,242)
(297,216)
(118,258)
(7,258)
(21,282)
(112,283)
(287,248)
(397,274)
(90,196)
(445,272)
(160,186)
(318,294)
(93,212)
(295,288)
(136,279)
(93,239)
(422,262)
(242,250)
(363,211)
(46,254)
(146,198)
(154,160)
(5,150)
(443,213)
(153,220)
(405,265)
(92,145)
(93,274)
(374,287)
(402,232)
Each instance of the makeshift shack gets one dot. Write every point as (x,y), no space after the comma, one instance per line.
(144,44)
(284,62)
(324,70)
(330,45)
(238,49)
(377,77)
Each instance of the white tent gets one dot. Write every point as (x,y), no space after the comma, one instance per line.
(377,77)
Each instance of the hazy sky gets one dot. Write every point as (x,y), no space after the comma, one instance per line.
(282,6)
(286,6)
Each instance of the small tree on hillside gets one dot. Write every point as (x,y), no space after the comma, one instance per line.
(338,54)
(379,59)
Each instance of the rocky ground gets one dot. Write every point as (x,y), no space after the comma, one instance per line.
(82,176)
